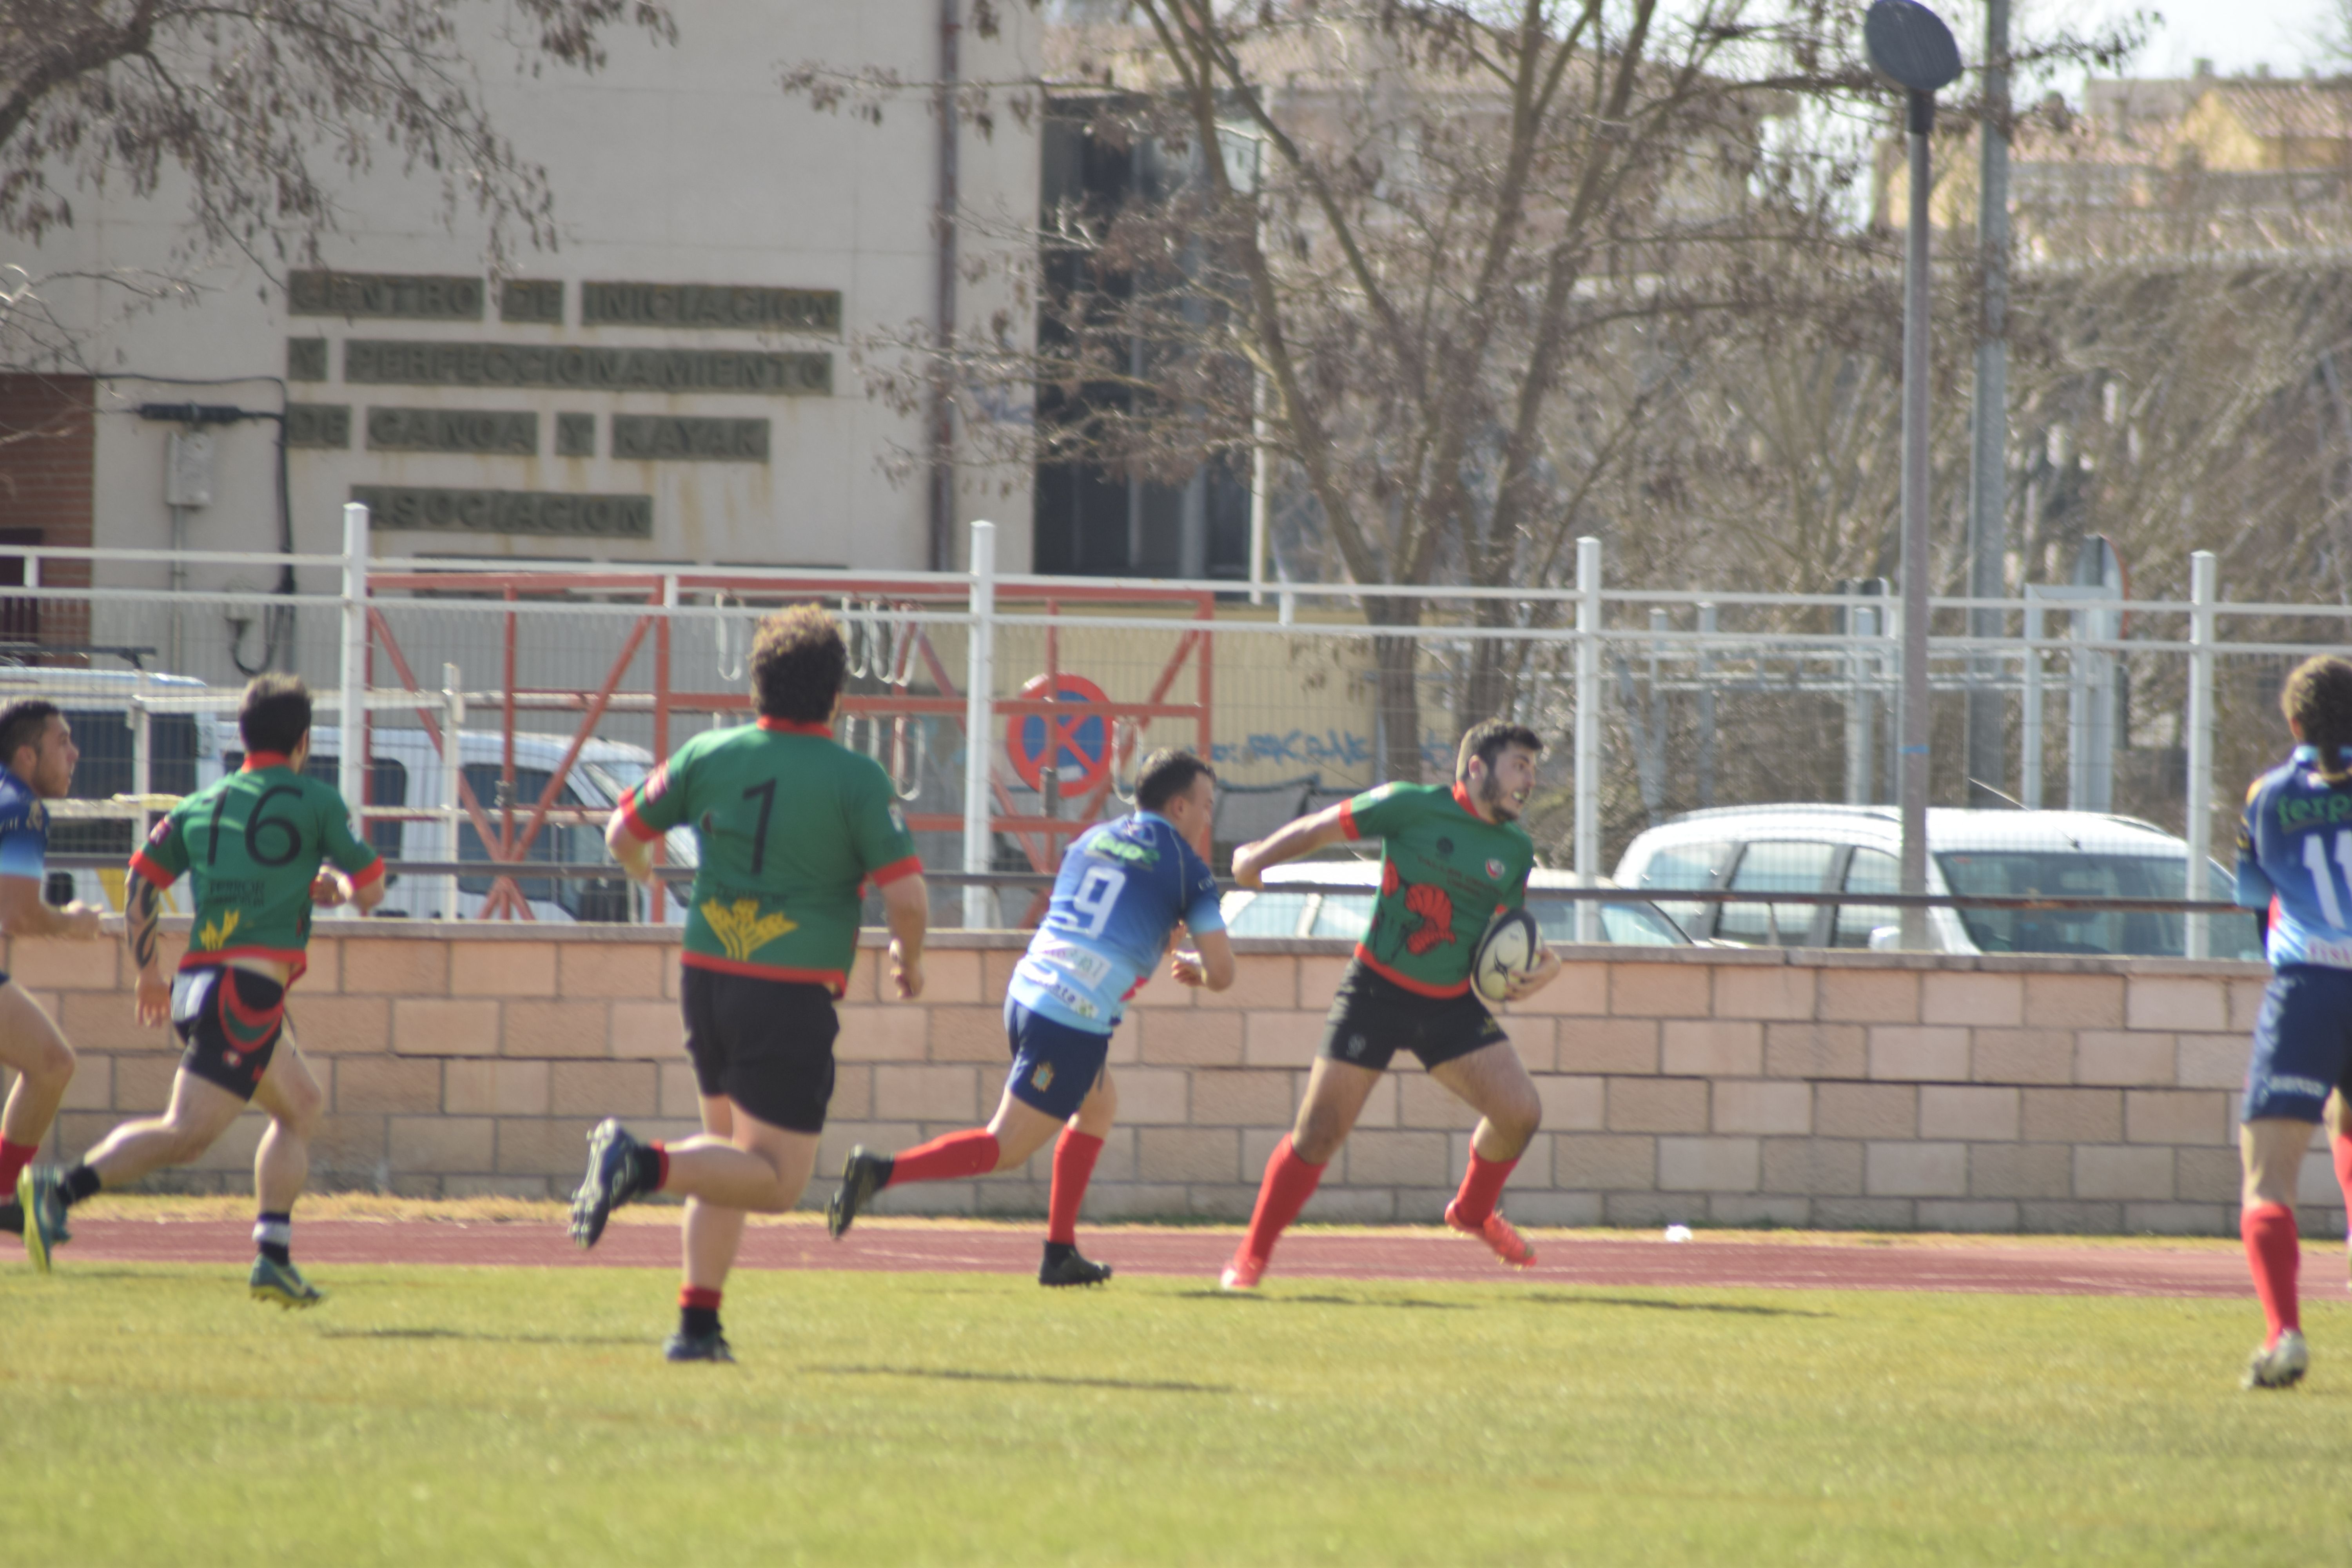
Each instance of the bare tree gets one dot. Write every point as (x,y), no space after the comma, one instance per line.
(262,106)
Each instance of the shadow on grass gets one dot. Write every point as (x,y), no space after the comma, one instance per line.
(1734,1309)
(482,1338)
(955,1374)
(1414,1304)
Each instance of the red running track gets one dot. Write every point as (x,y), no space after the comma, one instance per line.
(1704,1262)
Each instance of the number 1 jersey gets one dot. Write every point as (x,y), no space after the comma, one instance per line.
(1122,888)
(2295,843)
(788,822)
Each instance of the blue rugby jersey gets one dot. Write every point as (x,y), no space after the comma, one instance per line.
(24,829)
(1122,888)
(2294,845)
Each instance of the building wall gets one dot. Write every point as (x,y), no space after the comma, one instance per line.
(1875,1090)
(684,164)
(47,452)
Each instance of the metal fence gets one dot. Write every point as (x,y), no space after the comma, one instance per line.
(565,680)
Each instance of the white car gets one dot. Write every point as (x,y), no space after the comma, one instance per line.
(1282,912)
(1768,849)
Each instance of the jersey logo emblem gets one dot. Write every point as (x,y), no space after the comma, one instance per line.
(1436,912)
(741,930)
(214,935)
(37,814)
(1494,869)
(1043,1077)
(897,819)
(1446,846)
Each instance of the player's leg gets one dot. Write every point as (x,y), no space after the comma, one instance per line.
(1493,1082)
(1075,1154)
(712,1230)
(1336,1092)
(2273,1149)
(1054,1065)
(281,1168)
(31,1043)
(200,1111)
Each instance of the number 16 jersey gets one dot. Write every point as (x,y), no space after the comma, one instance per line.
(788,823)
(1122,888)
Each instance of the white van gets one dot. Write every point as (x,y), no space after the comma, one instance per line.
(1770,849)
(407,770)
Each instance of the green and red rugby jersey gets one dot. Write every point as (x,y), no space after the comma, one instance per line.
(790,824)
(252,844)
(1445,871)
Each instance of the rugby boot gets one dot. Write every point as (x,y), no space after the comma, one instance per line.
(1497,1233)
(42,1201)
(2280,1366)
(1242,1273)
(683,1346)
(611,1180)
(1069,1269)
(863,1174)
(282,1283)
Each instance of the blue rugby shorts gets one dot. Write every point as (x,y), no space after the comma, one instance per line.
(1055,1065)
(2302,1042)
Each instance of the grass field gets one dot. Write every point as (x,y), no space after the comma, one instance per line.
(153,1415)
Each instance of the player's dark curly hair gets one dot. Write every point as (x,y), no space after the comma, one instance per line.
(1167,774)
(1486,741)
(21,724)
(274,714)
(799,664)
(2318,699)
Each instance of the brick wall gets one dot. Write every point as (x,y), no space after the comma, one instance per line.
(48,449)
(1836,1089)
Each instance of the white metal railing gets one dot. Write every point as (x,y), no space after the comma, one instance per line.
(1859,662)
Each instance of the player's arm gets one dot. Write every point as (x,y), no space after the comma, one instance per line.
(142,932)
(22,912)
(2253,890)
(1303,836)
(1209,965)
(1547,965)
(646,811)
(353,873)
(906,909)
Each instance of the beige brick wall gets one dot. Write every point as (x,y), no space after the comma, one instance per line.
(1735,1087)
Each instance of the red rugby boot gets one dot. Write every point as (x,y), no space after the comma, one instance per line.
(1497,1233)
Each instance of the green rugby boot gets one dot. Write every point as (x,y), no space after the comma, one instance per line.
(42,1199)
(282,1283)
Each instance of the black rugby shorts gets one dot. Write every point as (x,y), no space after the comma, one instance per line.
(1373,1017)
(767,1045)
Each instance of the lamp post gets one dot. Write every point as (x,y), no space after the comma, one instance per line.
(1910,46)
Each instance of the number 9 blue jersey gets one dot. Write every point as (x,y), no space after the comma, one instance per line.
(1122,888)
(2295,843)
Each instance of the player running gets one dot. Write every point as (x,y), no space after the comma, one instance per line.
(255,844)
(1450,861)
(36,764)
(1123,889)
(790,824)
(2295,859)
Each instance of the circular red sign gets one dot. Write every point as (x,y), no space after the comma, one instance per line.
(1079,745)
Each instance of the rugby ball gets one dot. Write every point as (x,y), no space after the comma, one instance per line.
(1507,951)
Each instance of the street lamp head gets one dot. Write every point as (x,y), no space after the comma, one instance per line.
(1909,45)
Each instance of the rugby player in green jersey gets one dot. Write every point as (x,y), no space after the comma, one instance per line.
(791,825)
(257,846)
(1451,860)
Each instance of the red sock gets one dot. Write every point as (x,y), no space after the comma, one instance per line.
(1482,1186)
(2272,1252)
(1289,1183)
(13,1158)
(700,1296)
(661,1164)
(2341,1148)
(949,1158)
(1074,1166)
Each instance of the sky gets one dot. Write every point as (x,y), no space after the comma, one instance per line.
(2235,34)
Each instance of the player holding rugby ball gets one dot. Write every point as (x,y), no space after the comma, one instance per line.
(1451,860)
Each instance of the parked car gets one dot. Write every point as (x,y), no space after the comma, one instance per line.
(1856,849)
(1281,912)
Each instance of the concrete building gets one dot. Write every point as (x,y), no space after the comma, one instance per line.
(675,382)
